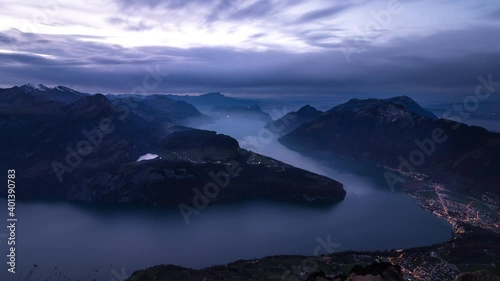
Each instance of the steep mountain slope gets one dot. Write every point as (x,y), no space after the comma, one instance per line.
(405,101)
(209,100)
(253,112)
(396,134)
(88,151)
(293,120)
(161,106)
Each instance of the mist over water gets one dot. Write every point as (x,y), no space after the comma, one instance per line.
(485,113)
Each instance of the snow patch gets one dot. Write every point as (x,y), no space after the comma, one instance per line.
(62,89)
(42,88)
(146,157)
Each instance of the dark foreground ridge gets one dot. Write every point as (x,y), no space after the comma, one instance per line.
(246,270)
(456,260)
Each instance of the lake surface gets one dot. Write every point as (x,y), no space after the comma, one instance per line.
(116,241)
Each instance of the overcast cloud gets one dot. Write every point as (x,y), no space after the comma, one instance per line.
(281,47)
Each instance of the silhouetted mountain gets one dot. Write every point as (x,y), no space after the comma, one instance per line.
(271,268)
(398,134)
(293,120)
(208,101)
(405,101)
(216,97)
(28,98)
(160,106)
(88,151)
(252,112)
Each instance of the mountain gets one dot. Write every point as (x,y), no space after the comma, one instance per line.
(56,149)
(160,106)
(398,134)
(209,100)
(251,112)
(404,101)
(28,98)
(293,120)
(88,151)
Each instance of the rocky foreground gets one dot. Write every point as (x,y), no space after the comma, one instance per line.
(457,260)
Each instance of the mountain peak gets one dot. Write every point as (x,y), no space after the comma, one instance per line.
(293,120)
(413,106)
(255,108)
(42,88)
(66,89)
(404,103)
(213,95)
(89,106)
(403,97)
(307,109)
(27,87)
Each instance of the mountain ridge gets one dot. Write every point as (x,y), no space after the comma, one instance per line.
(293,120)
(392,134)
(87,150)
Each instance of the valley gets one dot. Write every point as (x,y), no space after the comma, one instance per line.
(147,171)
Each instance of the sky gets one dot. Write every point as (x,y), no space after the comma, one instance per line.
(251,47)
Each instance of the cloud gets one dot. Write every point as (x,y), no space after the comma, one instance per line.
(252,46)
(259,9)
(322,13)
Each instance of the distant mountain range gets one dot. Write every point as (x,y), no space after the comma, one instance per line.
(69,145)
(251,112)
(208,101)
(30,98)
(398,133)
(154,106)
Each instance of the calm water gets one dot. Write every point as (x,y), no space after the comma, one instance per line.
(117,240)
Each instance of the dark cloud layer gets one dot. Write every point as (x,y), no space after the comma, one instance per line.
(447,60)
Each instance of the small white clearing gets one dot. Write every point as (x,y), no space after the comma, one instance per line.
(148,156)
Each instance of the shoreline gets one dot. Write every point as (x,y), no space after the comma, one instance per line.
(404,257)
(420,263)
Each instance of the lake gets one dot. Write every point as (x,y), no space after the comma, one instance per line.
(108,242)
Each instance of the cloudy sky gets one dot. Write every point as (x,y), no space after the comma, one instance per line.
(251,47)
